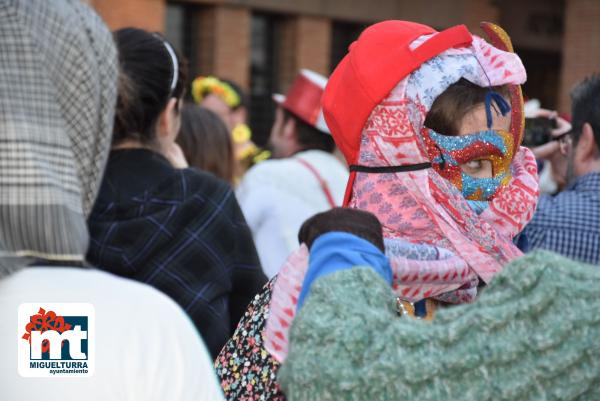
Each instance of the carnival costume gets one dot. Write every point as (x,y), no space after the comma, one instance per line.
(445,234)
(440,242)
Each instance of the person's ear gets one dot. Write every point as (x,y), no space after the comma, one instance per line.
(168,120)
(586,146)
(289,129)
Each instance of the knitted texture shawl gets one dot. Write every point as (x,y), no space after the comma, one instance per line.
(534,334)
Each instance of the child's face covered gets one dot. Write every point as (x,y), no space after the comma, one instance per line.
(477,161)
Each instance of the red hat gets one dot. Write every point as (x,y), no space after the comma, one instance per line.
(374,65)
(376,62)
(304,99)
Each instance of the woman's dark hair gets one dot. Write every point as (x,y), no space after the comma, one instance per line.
(309,137)
(145,84)
(449,108)
(206,142)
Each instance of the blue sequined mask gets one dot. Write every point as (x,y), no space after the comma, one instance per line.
(448,153)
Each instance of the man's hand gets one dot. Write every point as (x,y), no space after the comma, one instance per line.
(547,150)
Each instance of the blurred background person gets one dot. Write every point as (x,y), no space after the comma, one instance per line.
(58,80)
(277,195)
(569,223)
(206,142)
(179,230)
(228,100)
(546,134)
(222,96)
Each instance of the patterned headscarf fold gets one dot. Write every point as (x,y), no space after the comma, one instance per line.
(58,75)
(425,209)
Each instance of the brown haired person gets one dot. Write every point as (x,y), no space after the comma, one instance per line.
(179,230)
(276,196)
(229,101)
(206,142)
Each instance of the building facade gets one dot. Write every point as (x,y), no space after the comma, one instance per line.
(261,44)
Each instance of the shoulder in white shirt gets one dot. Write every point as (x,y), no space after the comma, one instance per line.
(277,196)
(146,347)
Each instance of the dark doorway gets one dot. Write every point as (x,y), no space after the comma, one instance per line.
(264,73)
(342,35)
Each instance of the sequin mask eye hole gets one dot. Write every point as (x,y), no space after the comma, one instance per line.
(495,146)
(465,160)
(479,168)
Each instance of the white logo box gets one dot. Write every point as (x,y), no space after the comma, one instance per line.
(82,366)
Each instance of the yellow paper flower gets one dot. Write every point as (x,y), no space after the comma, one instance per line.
(241,133)
(203,86)
(261,156)
(246,151)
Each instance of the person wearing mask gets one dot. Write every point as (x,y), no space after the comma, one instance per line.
(305,177)
(569,223)
(178,229)
(58,75)
(432,133)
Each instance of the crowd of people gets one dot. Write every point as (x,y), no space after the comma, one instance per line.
(390,241)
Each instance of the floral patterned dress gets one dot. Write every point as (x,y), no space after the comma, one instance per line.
(246,370)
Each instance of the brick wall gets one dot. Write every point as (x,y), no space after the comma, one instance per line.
(145,14)
(223,42)
(305,42)
(476,11)
(581,46)
(223,30)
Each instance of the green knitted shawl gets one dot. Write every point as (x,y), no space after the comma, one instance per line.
(533,334)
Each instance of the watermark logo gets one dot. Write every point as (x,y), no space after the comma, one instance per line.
(56,340)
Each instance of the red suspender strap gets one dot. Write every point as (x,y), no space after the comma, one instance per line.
(322,182)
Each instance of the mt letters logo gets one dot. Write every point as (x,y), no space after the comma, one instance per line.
(56,339)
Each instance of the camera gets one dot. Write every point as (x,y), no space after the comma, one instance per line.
(538,130)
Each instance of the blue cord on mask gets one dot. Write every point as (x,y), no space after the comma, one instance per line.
(502,104)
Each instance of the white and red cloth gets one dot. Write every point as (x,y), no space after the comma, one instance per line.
(276,196)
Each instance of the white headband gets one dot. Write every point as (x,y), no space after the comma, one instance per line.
(175,65)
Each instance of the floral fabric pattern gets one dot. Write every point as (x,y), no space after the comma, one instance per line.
(246,370)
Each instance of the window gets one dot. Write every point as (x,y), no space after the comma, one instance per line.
(543,76)
(264,74)
(181,32)
(343,34)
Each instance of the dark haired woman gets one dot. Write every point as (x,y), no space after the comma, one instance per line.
(206,142)
(179,230)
